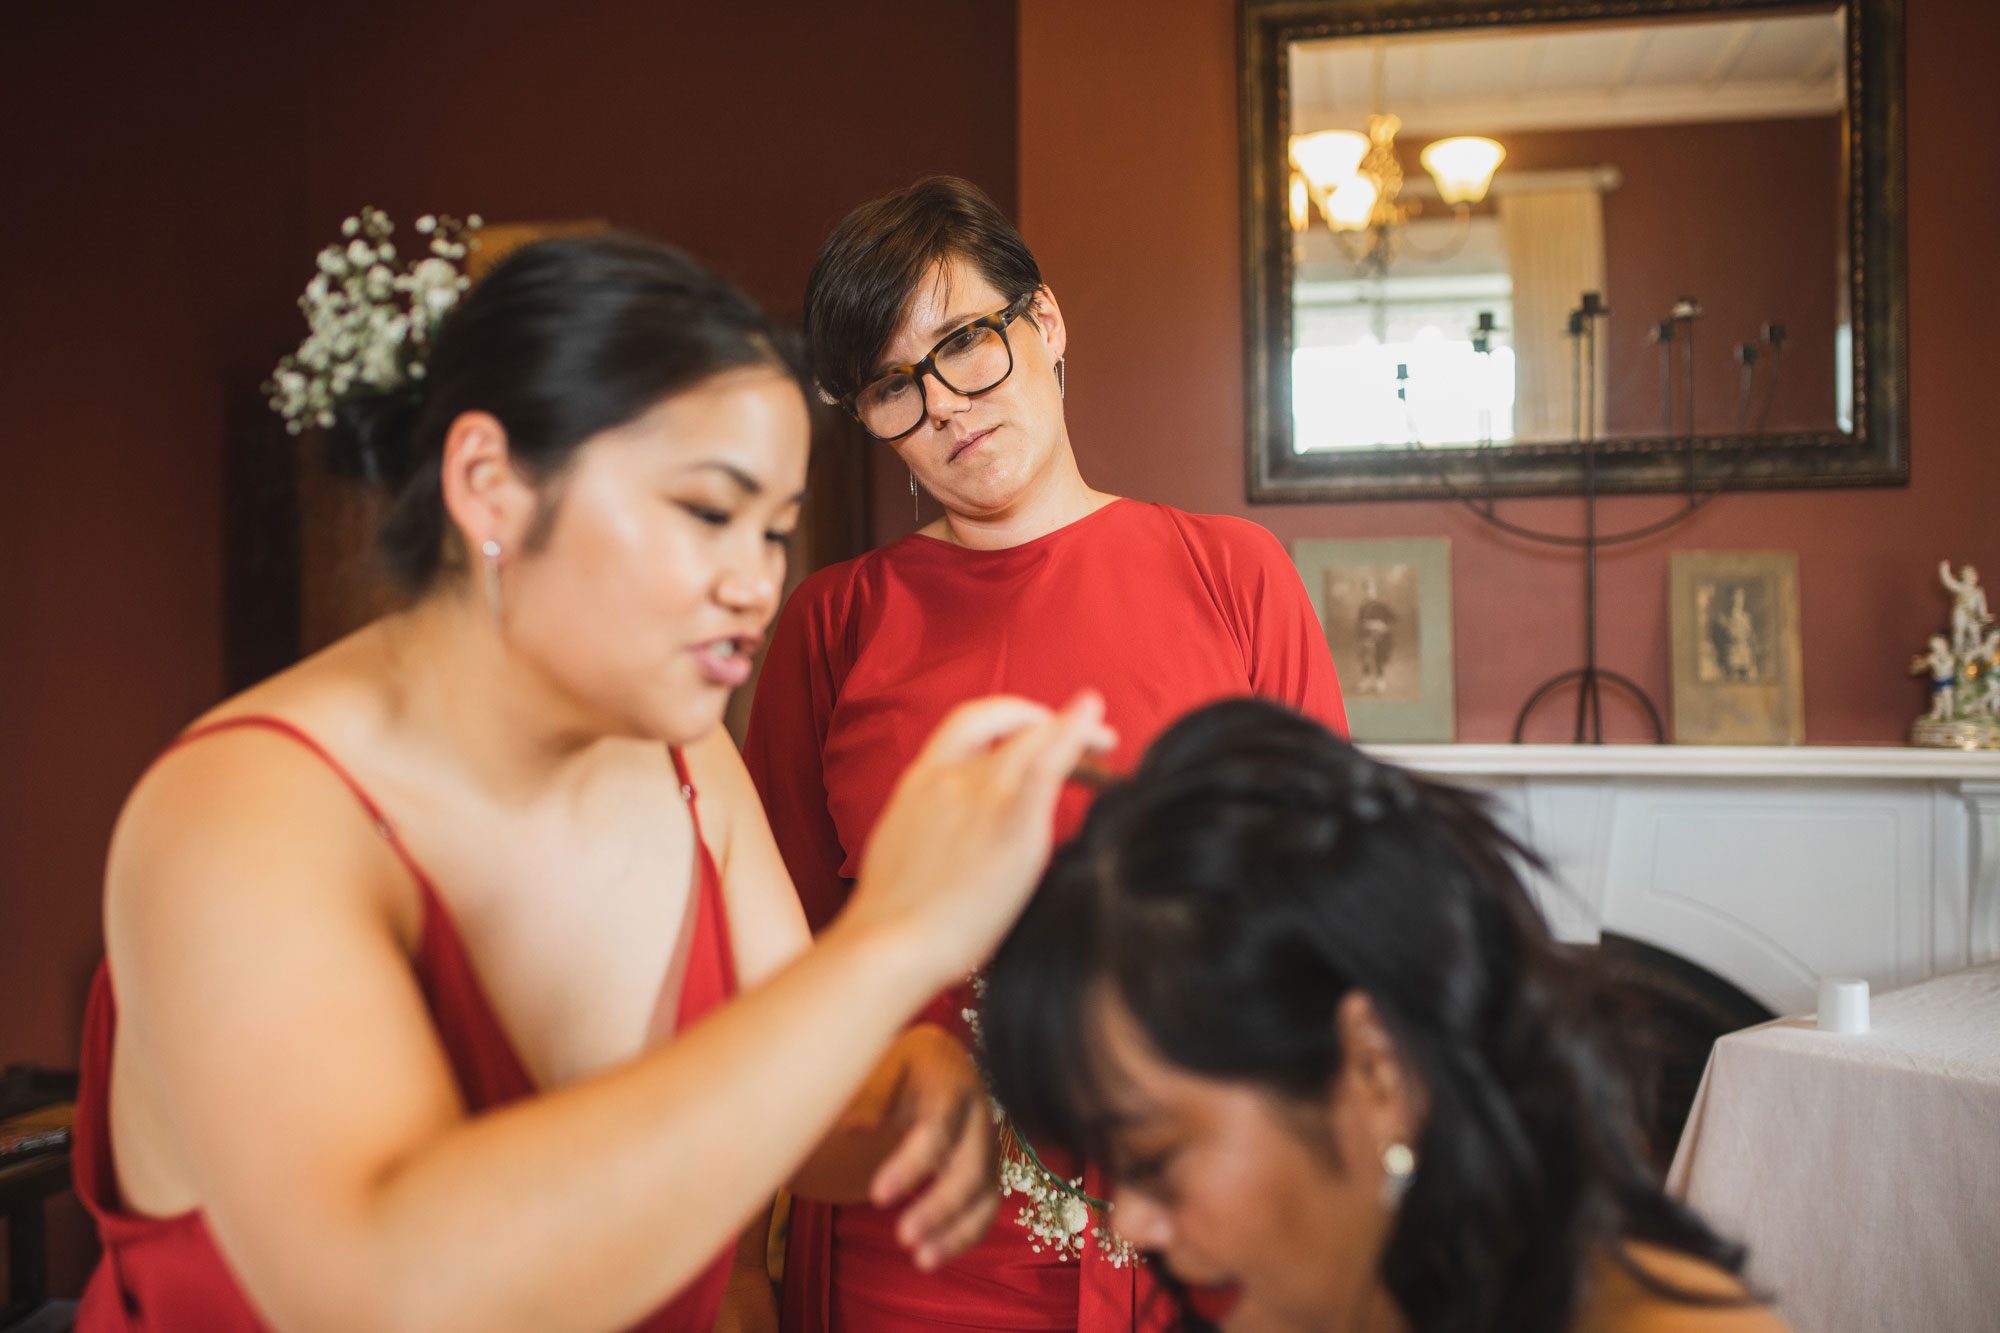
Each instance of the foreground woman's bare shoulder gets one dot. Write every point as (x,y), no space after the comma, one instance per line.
(243,810)
(239,817)
(1621,1303)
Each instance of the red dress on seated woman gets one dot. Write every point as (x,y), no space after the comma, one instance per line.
(165,1273)
(1161,611)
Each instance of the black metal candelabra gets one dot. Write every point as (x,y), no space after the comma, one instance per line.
(1583,331)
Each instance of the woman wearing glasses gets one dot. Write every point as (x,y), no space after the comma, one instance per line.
(927,320)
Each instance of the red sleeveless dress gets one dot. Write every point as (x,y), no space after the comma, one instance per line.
(165,1273)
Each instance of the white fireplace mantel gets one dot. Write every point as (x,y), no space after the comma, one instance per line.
(1770,866)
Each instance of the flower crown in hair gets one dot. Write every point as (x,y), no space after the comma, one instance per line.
(372,319)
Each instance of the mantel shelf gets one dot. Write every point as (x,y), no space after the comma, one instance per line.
(1770,866)
(1801,762)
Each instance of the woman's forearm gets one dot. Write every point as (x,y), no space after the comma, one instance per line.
(587,1208)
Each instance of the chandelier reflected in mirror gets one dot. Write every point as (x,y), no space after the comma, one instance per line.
(1353,181)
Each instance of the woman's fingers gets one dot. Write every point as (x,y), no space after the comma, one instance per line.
(954,1232)
(965,1231)
(1025,733)
(971,729)
(967,829)
(956,1210)
(1041,758)
(920,1155)
(941,1095)
(1014,757)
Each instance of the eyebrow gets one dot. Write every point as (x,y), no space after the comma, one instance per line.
(947,325)
(746,483)
(934,334)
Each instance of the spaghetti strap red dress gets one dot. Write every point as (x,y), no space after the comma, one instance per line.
(165,1273)
(1160,610)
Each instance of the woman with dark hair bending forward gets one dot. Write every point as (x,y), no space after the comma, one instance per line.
(426,949)
(1301,1007)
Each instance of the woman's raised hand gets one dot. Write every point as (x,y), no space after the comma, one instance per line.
(967,830)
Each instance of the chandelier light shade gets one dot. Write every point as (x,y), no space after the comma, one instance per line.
(1354,182)
(1301,203)
(1330,158)
(1462,167)
(1351,206)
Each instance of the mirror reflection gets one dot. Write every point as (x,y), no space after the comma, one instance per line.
(1454,198)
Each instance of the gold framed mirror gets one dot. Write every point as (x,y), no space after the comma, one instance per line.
(1491,248)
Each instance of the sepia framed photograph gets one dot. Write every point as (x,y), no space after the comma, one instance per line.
(1385,605)
(1736,665)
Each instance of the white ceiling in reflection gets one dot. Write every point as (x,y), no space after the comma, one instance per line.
(1554,77)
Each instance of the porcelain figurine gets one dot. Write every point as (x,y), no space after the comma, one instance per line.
(1964,671)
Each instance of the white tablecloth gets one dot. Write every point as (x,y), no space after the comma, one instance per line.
(1863,1171)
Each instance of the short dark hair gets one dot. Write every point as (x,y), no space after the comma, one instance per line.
(871,264)
(1254,871)
(564,339)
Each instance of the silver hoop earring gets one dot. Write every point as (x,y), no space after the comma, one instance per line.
(491,550)
(1060,386)
(1399,1164)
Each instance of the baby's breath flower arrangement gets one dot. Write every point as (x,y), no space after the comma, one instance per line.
(1057,1214)
(371,314)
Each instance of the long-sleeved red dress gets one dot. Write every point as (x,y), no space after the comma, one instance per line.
(1161,611)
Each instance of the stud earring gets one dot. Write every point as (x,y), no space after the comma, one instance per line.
(1060,386)
(1399,1164)
(491,550)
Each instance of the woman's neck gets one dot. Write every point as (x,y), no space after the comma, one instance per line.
(1057,499)
(454,686)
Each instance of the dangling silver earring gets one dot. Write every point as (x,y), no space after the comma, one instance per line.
(1399,1164)
(916,504)
(1059,377)
(491,550)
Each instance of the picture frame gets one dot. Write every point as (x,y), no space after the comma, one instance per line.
(1737,672)
(1384,605)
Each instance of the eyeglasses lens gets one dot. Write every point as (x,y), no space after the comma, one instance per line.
(969,362)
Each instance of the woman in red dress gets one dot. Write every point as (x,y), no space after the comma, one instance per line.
(417,1011)
(927,319)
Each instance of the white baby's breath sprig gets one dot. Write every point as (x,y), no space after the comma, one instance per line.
(1057,1214)
(370,319)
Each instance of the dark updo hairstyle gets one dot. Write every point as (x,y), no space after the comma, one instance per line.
(870,266)
(1254,871)
(563,339)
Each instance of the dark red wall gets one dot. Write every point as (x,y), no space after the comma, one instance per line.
(145,252)
(739,132)
(169,172)
(1129,196)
